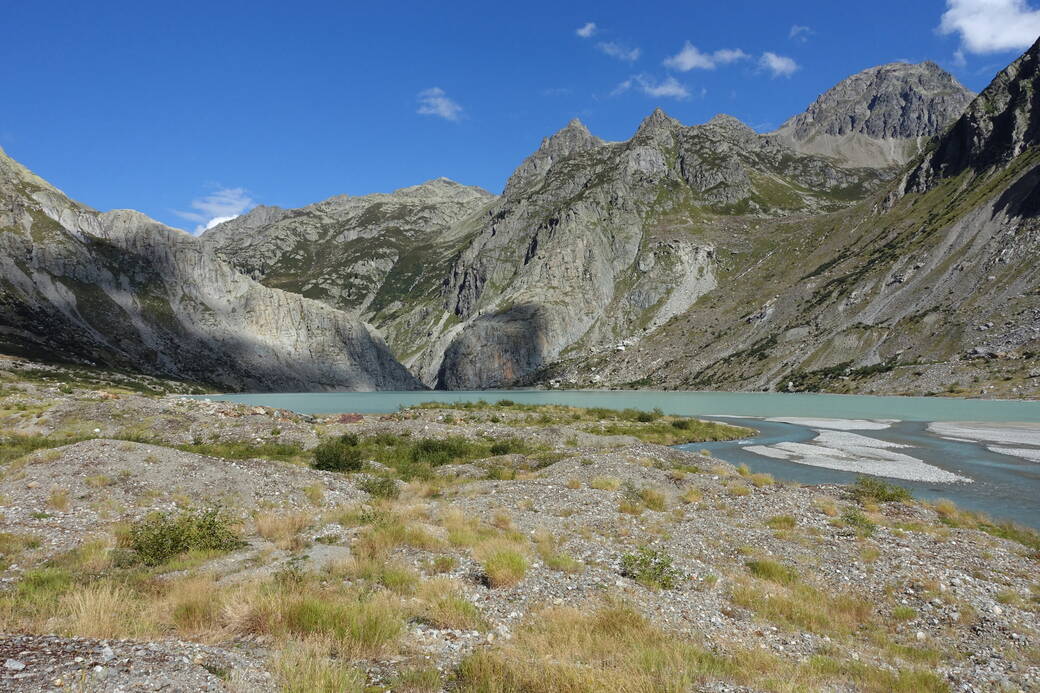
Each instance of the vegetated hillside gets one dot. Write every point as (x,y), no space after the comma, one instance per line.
(930,285)
(119,289)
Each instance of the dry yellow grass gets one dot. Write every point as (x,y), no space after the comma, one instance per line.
(315,493)
(101,610)
(283,529)
(691,495)
(605,483)
(444,605)
(502,520)
(305,666)
(59,499)
(193,606)
(827,506)
(614,648)
(504,561)
(653,499)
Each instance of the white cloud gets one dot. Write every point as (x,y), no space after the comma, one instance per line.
(800,32)
(219,206)
(586,31)
(616,50)
(690,58)
(670,88)
(778,65)
(435,102)
(991,26)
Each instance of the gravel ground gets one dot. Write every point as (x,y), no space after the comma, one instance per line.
(972,595)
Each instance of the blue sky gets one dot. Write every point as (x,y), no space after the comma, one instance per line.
(193,110)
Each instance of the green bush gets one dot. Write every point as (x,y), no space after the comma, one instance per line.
(651,568)
(338,455)
(868,489)
(505,403)
(159,537)
(440,451)
(380,487)
(681,424)
(507,446)
(858,521)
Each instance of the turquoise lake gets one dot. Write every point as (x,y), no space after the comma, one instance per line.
(757,404)
(1003,486)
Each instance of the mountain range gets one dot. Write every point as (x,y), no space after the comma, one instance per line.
(883,240)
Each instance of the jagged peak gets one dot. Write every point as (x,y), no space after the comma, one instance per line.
(657,121)
(571,139)
(576,124)
(573,133)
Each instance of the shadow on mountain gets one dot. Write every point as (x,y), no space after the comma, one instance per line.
(496,350)
(1022,199)
(123,308)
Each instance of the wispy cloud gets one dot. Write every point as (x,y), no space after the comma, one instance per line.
(691,58)
(223,204)
(778,65)
(586,31)
(670,88)
(800,32)
(991,26)
(434,101)
(619,51)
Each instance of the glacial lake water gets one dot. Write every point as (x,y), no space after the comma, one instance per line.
(1002,485)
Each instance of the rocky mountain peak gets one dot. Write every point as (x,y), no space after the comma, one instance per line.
(657,122)
(878,117)
(570,140)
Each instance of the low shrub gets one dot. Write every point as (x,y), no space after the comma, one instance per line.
(160,537)
(338,455)
(440,451)
(858,521)
(868,489)
(380,487)
(507,446)
(651,568)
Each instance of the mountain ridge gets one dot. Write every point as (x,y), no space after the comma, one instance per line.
(608,262)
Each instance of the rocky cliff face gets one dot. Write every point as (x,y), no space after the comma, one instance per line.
(998,126)
(119,289)
(610,241)
(933,283)
(878,117)
(380,258)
